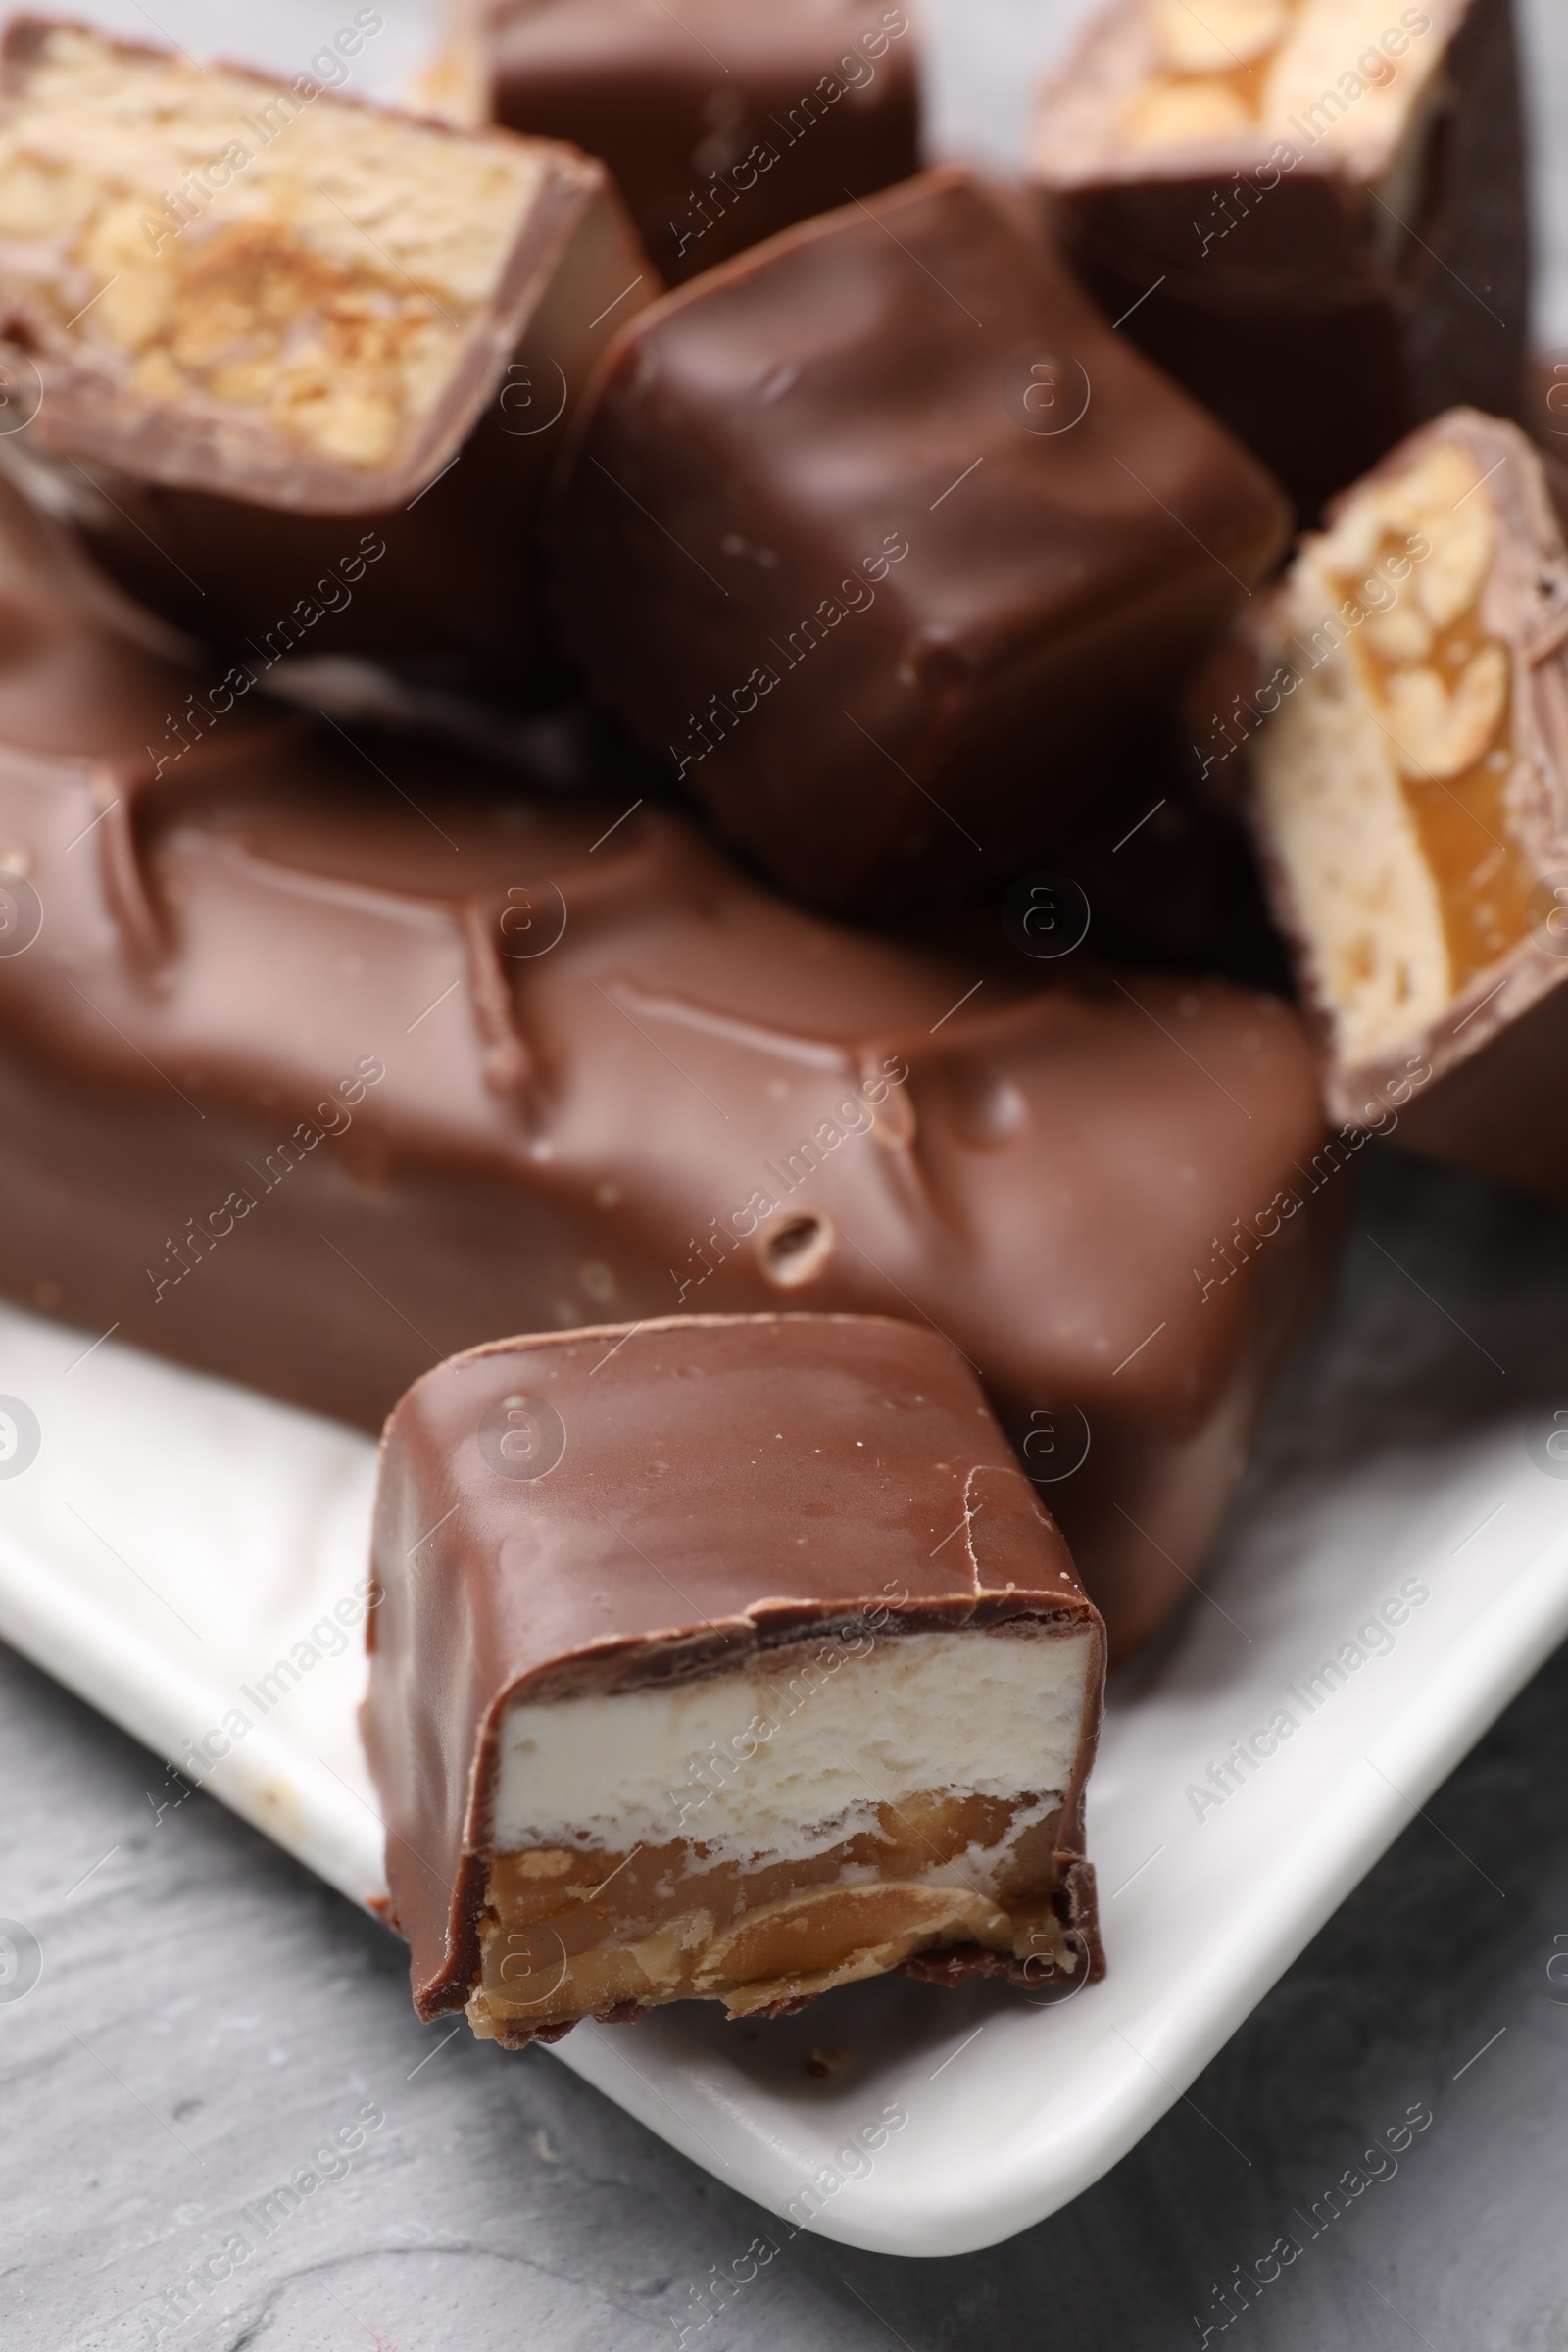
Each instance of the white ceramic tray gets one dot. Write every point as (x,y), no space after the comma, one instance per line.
(175,1538)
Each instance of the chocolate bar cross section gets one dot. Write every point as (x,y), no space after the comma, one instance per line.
(1313,211)
(301,364)
(722,1657)
(1411,799)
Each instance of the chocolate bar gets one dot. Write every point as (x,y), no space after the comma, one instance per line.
(1313,211)
(891,546)
(723,120)
(723,1658)
(321,1059)
(1411,780)
(291,357)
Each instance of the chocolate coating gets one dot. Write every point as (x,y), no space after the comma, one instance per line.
(80,673)
(1544,414)
(724,122)
(677,1537)
(1321,308)
(814,546)
(1504,1111)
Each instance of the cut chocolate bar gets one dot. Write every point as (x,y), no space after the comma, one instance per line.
(1412,798)
(727,1658)
(886,539)
(320,1060)
(723,120)
(1313,211)
(294,357)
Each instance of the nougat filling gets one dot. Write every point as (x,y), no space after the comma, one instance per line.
(1391,782)
(785,1828)
(1223,67)
(210,237)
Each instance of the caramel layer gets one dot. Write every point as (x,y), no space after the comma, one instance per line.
(1459,804)
(567,1934)
(1397,783)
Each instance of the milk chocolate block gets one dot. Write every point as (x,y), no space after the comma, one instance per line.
(322,1061)
(723,120)
(1412,800)
(723,1658)
(301,364)
(886,539)
(1313,211)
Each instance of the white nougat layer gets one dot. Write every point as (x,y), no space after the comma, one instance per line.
(1336,74)
(783,1760)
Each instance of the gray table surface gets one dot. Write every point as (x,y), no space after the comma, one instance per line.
(208,2018)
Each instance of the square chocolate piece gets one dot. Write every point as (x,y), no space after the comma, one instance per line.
(725,1658)
(887,540)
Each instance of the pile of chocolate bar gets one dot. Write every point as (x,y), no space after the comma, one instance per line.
(628,720)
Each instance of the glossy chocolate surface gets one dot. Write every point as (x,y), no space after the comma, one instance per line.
(723,123)
(710,1500)
(1320,312)
(890,545)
